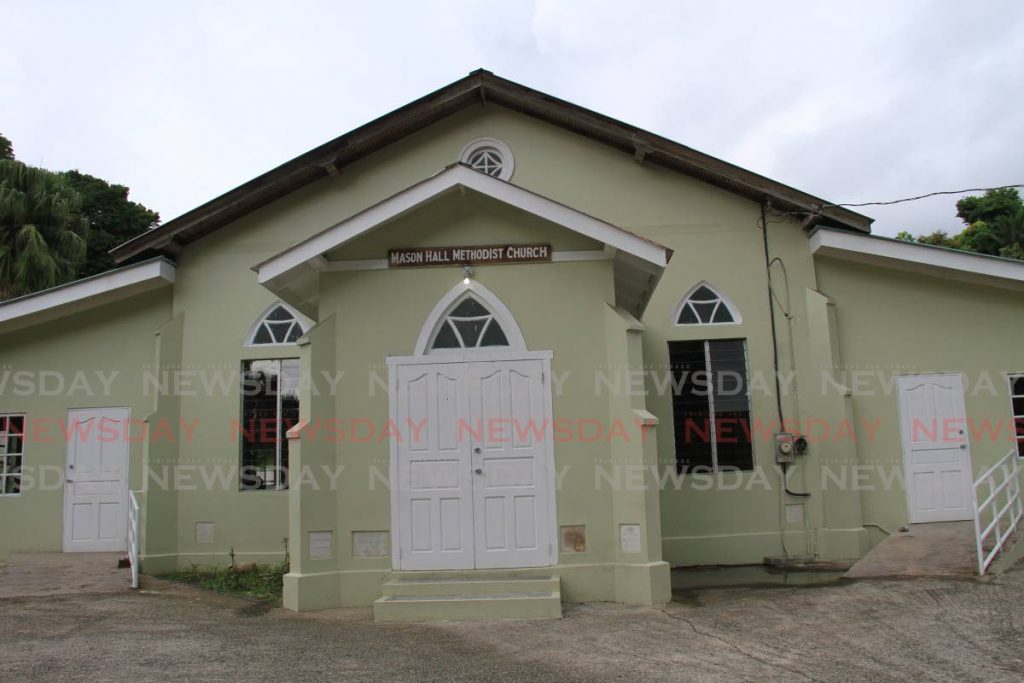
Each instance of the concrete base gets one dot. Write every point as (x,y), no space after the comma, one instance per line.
(166,564)
(751,548)
(647,583)
(936,549)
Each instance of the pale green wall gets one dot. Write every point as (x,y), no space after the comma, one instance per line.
(894,323)
(560,306)
(712,231)
(116,338)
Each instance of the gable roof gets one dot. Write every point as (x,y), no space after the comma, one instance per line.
(639,262)
(478,87)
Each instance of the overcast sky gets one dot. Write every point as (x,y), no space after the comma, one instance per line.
(854,101)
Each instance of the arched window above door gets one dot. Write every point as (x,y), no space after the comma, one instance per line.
(704,305)
(469,318)
(469,326)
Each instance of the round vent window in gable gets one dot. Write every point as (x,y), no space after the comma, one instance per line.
(489,156)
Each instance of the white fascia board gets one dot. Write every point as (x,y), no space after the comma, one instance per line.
(920,258)
(452,177)
(83,294)
(563,215)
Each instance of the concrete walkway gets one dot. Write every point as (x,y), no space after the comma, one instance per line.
(42,574)
(936,549)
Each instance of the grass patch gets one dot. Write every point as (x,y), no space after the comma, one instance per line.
(262,582)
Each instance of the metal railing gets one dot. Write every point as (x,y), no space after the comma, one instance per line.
(133,536)
(1001,509)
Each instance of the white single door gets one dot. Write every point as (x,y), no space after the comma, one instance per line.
(435,495)
(935,448)
(96,490)
(510,464)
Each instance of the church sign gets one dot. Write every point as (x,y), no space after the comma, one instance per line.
(475,255)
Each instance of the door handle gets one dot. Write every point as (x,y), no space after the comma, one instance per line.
(478,470)
(476,450)
(963,446)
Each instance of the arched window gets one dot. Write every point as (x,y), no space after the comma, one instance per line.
(469,326)
(279,324)
(469,318)
(702,305)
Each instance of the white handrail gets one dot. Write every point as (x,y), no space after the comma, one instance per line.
(1002,480)
(133,536)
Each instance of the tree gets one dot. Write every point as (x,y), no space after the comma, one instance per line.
(940,238)
(989,206)
(995,225)
(42,233)
(112,217)
(6,148)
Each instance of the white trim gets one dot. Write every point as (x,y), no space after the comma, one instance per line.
(508,160)
(737,318)
(89,292)
(451,178)
(915,257)
(5,454)
(454,296)
(468,357)
(356,264)
(305,323)
(595,255)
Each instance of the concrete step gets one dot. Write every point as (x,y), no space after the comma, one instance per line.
(447,597)
(468,607)
(460,586)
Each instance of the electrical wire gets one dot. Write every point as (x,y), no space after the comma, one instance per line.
(925,196)
(890,202)
(772,298)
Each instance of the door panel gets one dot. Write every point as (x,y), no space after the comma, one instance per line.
(510,487)
(96,491)
(935,448)
(434,486)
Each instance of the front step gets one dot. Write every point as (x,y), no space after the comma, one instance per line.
(440,598)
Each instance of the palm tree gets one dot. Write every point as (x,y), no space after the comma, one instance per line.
(42,234)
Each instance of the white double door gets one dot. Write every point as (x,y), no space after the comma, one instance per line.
(936,450)
(96,490)
(474,467)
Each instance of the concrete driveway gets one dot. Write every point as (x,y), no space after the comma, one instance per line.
(924,629)
(41,574)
